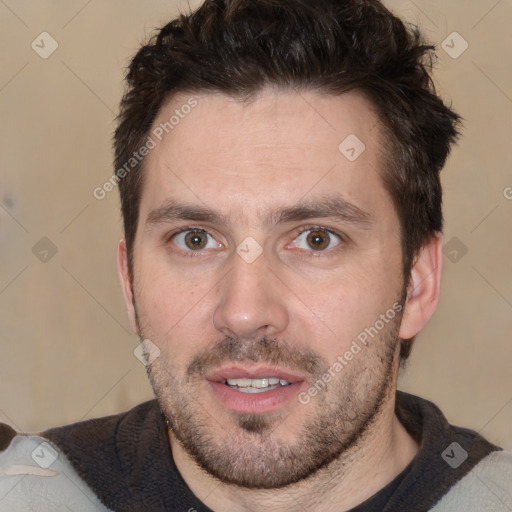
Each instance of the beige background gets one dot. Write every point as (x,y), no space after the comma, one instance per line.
(66,352)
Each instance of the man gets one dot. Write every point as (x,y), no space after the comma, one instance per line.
(278,163)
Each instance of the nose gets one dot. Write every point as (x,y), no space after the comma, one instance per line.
(251,301)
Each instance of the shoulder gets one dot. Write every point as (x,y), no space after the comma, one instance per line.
(488,486)
(35,475)
(38,472)
(56,469)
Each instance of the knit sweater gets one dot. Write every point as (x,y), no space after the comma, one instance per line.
(124,463)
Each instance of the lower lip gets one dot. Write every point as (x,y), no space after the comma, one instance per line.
(254,402)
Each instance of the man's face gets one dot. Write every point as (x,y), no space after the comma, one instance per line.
(264,251)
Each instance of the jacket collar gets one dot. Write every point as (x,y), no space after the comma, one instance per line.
(127,461)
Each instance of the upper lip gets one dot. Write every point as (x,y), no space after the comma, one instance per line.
(237,371)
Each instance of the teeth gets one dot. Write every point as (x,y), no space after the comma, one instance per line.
(257,383)
(241,383)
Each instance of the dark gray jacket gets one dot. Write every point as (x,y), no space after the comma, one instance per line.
(123,463)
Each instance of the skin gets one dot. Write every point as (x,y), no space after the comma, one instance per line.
(295,306)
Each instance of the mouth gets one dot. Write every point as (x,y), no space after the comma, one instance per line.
(262,385)
(254,389)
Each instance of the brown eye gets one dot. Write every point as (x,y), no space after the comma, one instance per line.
(195,240)
(318,240)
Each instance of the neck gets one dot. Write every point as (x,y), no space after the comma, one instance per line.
(355,476)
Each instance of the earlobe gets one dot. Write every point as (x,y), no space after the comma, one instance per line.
(126,284)
(424,288)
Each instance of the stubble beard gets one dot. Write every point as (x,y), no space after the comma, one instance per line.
(247,452)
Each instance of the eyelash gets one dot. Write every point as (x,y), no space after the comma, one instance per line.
(189,254)
(192,254)
(330,232)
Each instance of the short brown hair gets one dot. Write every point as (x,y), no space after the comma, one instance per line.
(238,47)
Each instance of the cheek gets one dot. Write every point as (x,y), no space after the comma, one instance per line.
(168,300)
(176,314)
(347,305)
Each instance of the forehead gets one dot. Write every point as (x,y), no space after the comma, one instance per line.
(279,146)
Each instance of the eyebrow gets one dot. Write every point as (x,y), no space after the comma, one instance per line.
(327,207)
(173,211)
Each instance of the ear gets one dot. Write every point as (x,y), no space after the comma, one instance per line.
(126,284)
(423,289)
